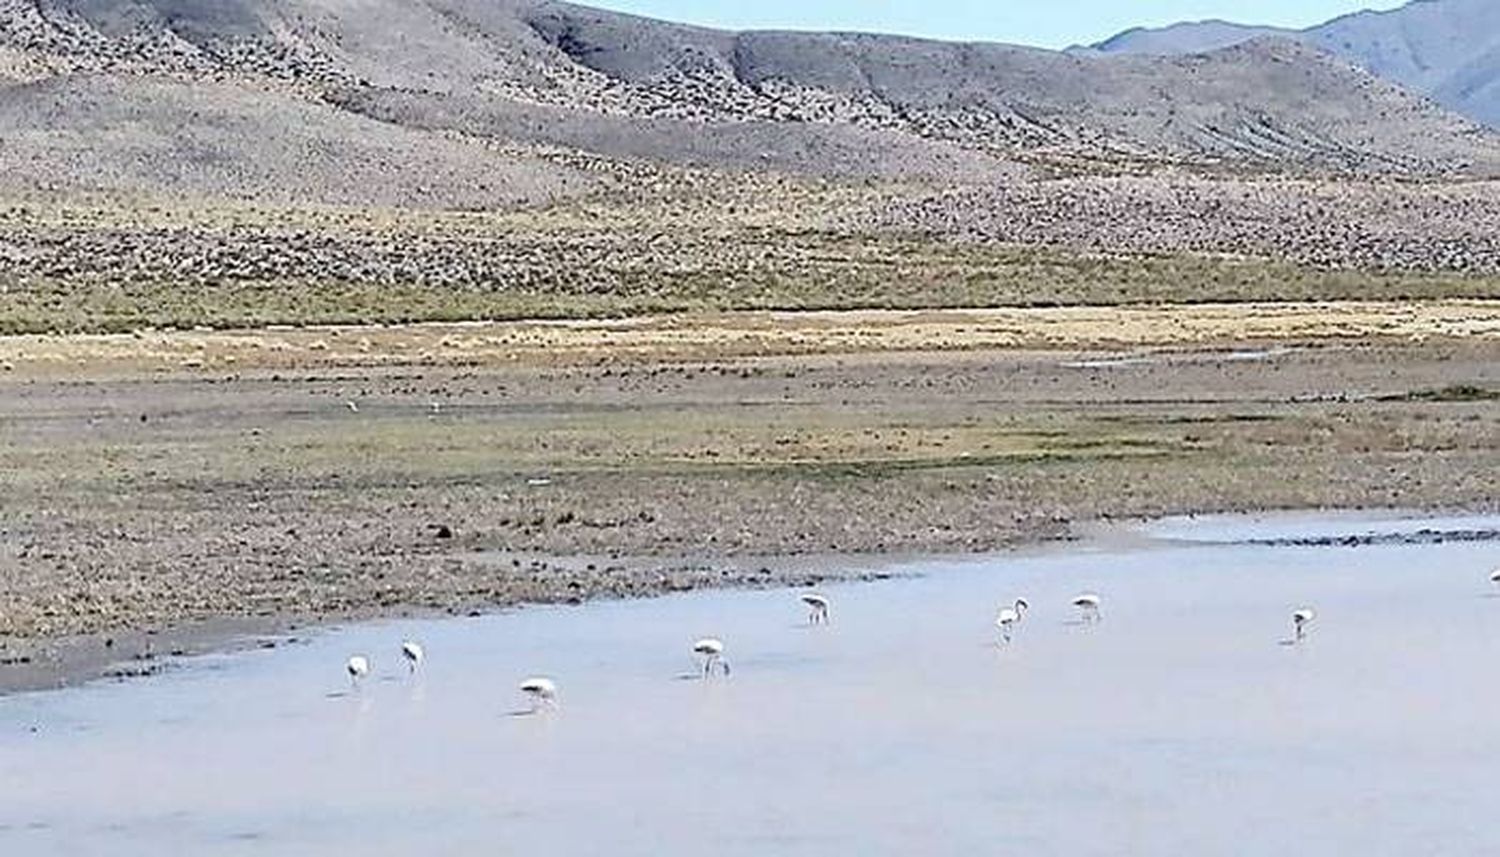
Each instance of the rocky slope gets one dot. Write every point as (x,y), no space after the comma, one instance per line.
(463,103)
(1447,49)
(1266,101)
(1188,37)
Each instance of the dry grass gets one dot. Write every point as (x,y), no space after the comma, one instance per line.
(708,337)
(895,278)
(767,246)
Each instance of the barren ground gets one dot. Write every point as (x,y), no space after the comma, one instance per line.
(164,483)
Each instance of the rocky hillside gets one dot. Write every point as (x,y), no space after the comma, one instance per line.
(1447,49)
(1272,101)
(463,103)
(1188,37)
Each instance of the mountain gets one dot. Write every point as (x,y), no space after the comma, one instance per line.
(1446,49)
(1449,49)
(1186,38)
(464,103)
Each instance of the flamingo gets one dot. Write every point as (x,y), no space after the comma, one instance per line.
(358,667)
(413,653)
(1300,620)
(1088,606)
(1009,618)
(711,650)
(541,691)
(817,608)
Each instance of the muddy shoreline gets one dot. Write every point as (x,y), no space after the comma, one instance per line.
(51,664)
(139,496)
(37,664)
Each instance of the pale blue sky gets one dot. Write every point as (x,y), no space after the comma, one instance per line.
(1047,23)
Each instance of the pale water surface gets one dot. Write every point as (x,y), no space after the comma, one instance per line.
(1179,726)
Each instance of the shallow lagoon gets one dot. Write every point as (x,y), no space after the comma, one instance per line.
(1179,725)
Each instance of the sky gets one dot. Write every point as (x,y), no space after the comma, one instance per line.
(1044,23)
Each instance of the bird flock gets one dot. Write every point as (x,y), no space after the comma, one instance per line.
(542,692)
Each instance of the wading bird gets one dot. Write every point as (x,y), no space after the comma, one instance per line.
(1300,620)
(541,691)
(1088,607)
(1009,618)
(413,653)
(817,608)
(358,667)
(711,650)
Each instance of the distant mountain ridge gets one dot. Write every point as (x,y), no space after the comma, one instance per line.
(464,103)
(1448,50)
(1188,37)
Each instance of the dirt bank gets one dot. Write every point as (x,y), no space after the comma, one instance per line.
(321,483)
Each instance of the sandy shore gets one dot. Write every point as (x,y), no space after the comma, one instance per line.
(157,490)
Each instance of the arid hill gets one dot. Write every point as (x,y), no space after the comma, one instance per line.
(249,162)
(446,103)
(1446,49)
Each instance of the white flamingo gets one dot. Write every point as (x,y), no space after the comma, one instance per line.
(711,650)
(1088,607)
(817,608)
(1009,618)
(1300,620)
(414,654)
(358,667)
(541,691)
